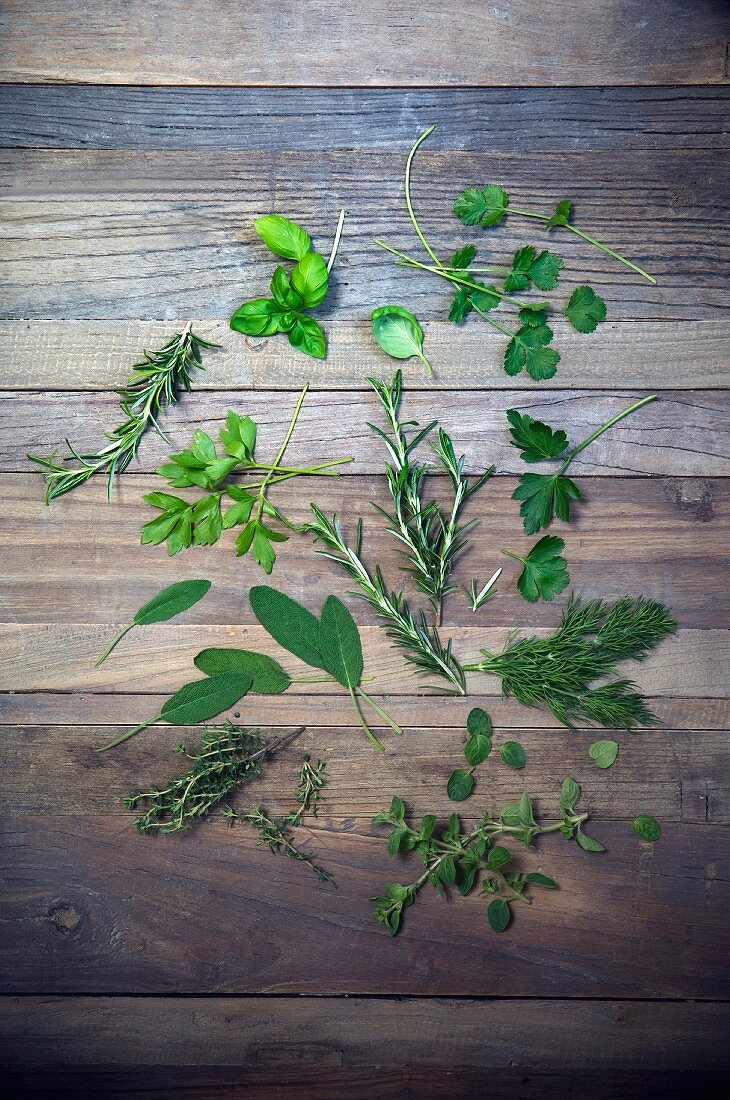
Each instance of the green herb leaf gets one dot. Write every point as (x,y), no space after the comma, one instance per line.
(460,785)
(482,205)
(587,843)
(310,278)
(544,496)
(478,722)
(498,914)
(561,215)
(267,675)
(204,699)
(535,878)
(282,237)
(569,794)
(646,827)
(603,753)
(585,310)
(339,644)
(477,749)
(307,335)
(398,333)
(171,601)
(291,625)
(535,439)
(513,755)
(529,268)
(497,857)
(528,348)
(463,257)
(260,317)
(545,574)
(284,294)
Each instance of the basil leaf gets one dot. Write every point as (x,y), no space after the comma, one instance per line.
(477,749)
(603,753)
(478,722)
(460,785)
(308,336)
(498,914)
(288,623)
(513,755)
(267,675)
(309,278)
(339,644)
(282,237)
(646,827)
(283,293)
(260,317)
(204,699)
(398,333)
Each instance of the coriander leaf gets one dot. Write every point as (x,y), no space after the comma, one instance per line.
(205,699)
(535,878)
(533,316)
(477,749)
(282,237)
(530,268)
(291,625)
(307,335)
(463,257)
(460,785)
(482,206)
(460,307)
(339,644)
(309,278)
(544,496)
(585,310)
(646,827)
(283,292)
(545,574)
(267,676)
(561,215)
(603,753)
(528,348)
(498,914)
(398,333)
(535,439)
(513,755)
(261,317)
(587,843)
(468,298)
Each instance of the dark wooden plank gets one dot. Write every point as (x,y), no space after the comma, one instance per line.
(113,234)
(97,355)
(661,537)
(90,907)
(684,433)
(603,42)
(512,119)
(682,775)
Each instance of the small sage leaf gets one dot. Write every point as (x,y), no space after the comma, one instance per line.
(339,643)
(171,601)
(460,785)
(603,753)
(267,675)
(646,827)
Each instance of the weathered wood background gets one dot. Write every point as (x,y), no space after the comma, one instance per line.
(137,142)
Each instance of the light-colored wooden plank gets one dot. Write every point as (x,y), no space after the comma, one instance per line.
(681,775)
(684,433)
(664,538)
(97,355)
(375,43)
(61,656)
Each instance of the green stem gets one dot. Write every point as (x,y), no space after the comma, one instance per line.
(336,241)
(130,733)
(280,453)
(407,188)
(604,428)
(511,555)
(379,711)
(113,643)
(361,717)
(591,240)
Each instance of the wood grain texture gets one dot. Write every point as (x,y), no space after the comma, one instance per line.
(89,356)
(92,907)
(322,43)
(681,774)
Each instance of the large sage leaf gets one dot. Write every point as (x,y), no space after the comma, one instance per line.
(339,643)
(290,624)
(267,675)
(204,699)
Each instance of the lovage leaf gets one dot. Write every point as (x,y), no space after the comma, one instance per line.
(544,496)
(528,348)
(282,237)
(482,205)
(535,439)
(545,574)
(339,643)
(266,675)
(309,278)
(204,699)
(585,310)
(398,333)
(288,623)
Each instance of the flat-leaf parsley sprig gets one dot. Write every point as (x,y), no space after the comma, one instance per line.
(155,383)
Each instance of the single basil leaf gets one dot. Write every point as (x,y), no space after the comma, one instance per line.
(646,827)
(478,722)
(477,749)
(257,318)
(460,785)
(307,335)
(283,293)
(204,699)
(339,643)
(288,623)
(534,878)
(309,278)
(497,857)
(498,914)
(267,675)
(282,237)
(398,333)
(587,843)
(513,755)
(603,753)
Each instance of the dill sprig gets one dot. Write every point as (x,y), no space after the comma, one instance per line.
(421,644)
(276,835)
(560,671)
(156,382)
(227,757)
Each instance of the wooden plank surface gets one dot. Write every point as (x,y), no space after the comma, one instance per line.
(324,43)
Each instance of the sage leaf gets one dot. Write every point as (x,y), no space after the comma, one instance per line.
(498,914)
(267,675)
(282,237)
(603,753)
(646,827)
(513,755)
(171,601)
(460,785)
(339,644)
(288,623)
(399,333)
(204,699)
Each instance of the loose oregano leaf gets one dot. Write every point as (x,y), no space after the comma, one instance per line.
(513,755)
(646,827)
(478,722)
(603,753)
(399,333)
(535,878)
(460,785)
(267,675)
(171,601)
(587,843)
(291,625)
(498,914)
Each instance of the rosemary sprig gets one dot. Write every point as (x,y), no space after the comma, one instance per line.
(157,382)
(592,638)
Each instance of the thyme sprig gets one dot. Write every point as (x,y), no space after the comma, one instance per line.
(156,382)
(276,835)
(311,781)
